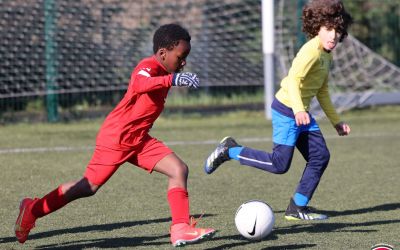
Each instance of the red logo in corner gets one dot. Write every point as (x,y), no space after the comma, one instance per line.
(382,247)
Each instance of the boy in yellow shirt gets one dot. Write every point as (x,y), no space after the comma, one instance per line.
(325,22)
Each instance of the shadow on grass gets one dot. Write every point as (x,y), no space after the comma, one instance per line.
(110,243)
(332,227)
(301,228)
(308,227)
(383,207)
(317,227)
(242,242)
(298,246)
(97,228)
(153,241)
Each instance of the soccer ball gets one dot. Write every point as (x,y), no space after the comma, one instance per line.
(254,219)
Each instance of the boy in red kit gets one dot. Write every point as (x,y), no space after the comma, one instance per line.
(124,137)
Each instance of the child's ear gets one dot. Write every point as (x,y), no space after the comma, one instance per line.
(162,53)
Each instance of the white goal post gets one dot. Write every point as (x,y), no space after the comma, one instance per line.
(268,46)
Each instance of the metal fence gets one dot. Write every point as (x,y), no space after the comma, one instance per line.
(58,56)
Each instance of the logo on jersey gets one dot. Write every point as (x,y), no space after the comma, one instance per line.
(145,72)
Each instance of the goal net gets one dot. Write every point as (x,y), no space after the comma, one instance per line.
(68,48)
(359,77)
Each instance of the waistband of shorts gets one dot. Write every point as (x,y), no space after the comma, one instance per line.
(282,108)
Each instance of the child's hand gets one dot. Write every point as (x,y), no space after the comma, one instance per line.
(342,128)
(186,79)
(302,118)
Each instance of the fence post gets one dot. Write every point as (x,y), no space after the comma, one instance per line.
(50,60)
(301,38)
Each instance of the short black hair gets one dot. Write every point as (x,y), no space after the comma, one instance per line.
(168,35)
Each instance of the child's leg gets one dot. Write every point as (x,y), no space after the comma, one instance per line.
(285,134)
(312,146)
(155,156)
(277,162)
(177,195)
(61,196)
(32,209)
(102,166)
(182,230)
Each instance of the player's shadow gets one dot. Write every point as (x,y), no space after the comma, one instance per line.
(332,227)
(105,242)
(119,242)
(315,227)
(383,207)
(320,227)
(241,242)
(378,208)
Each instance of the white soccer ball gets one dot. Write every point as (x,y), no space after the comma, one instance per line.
(254,219)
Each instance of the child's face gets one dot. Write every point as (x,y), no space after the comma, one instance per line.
(329,37)
(175,59)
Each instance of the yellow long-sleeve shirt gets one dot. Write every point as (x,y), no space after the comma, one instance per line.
(308,77)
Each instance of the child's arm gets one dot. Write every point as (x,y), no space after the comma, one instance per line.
(324,100)
(143,81)
(143,84)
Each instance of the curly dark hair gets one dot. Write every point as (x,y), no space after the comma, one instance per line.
(168,36)
(328,13)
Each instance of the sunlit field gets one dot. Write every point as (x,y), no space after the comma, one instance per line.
(360,189)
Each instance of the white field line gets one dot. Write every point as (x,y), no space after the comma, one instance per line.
(180,143)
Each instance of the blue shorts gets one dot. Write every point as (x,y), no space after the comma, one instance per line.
(285,130)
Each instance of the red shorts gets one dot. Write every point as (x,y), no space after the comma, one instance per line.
(105,161)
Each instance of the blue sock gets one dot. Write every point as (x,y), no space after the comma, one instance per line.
(234,152)
(300,199)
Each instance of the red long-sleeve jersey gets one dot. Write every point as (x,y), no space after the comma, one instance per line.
(142,104)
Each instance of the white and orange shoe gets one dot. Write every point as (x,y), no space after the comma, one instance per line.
(182,233)
(25,221)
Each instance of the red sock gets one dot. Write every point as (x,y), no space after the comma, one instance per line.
(178,199)
(49,203)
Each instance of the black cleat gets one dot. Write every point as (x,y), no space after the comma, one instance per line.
(294,212)
(220,154)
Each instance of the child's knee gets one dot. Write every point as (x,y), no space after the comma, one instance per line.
(88,188)
(282,168)
(180,170)
(325,155)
